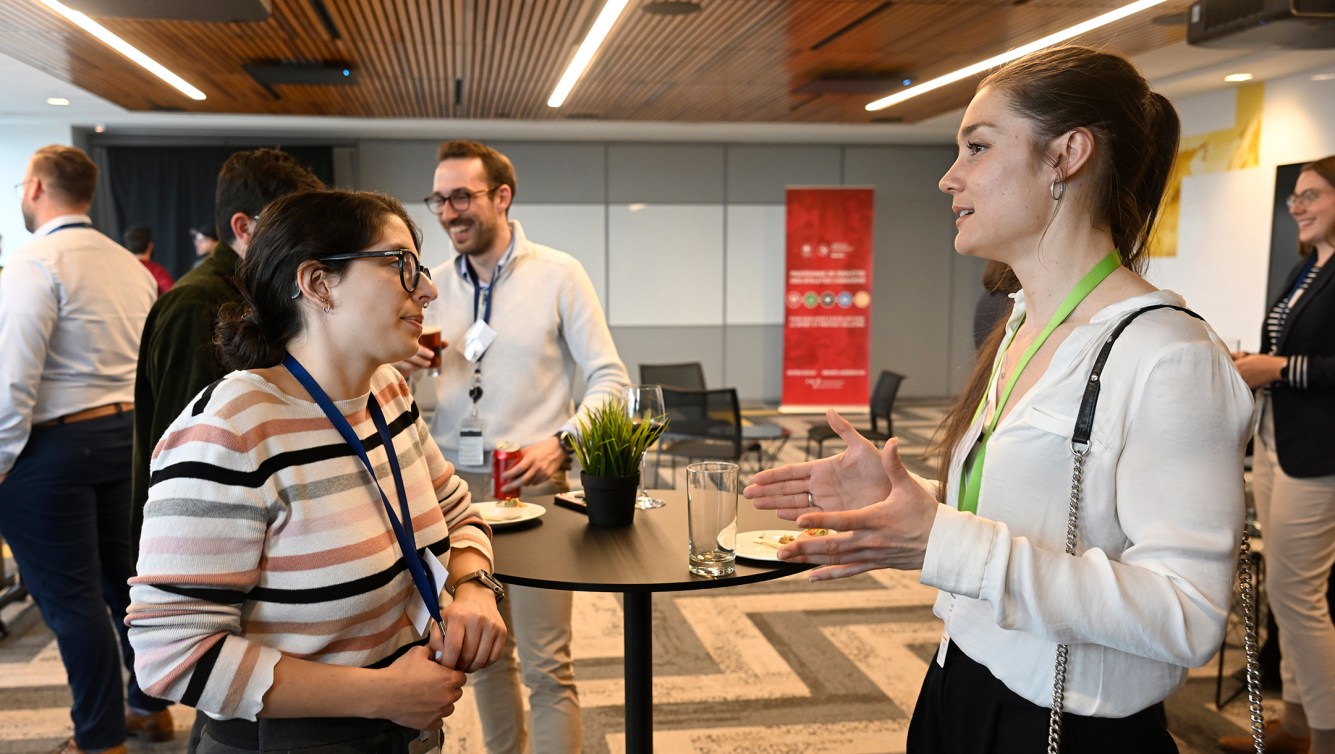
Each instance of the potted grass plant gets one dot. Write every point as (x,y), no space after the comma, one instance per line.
(609,446)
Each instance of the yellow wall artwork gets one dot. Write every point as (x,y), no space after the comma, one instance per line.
(1236,148)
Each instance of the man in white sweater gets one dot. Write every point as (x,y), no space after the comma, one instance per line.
(520,319)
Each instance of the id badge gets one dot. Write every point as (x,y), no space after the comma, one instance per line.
(477,340)
(471,452)
(427,742)
(417,612)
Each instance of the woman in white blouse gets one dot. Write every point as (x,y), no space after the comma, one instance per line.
(1063,159)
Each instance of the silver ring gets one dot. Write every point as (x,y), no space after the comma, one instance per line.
(811,501)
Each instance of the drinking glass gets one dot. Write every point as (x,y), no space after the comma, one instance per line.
(644,403)
(711,512)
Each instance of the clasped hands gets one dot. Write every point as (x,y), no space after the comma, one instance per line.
(881,513)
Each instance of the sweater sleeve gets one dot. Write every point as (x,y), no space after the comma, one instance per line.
(586,334)
(1179,499)
(204,531)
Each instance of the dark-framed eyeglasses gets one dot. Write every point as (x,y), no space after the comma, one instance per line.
(411,268)
(460,200)
(1305,198)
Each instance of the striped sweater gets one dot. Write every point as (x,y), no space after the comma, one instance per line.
(264,536)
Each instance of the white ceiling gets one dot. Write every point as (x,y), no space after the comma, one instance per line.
(1178,71)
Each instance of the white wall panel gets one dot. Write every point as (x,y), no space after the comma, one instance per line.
(1222,259)
(666,265)
(755,264)
(580,230)
(17,143)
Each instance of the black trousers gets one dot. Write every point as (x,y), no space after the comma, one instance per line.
(964,709)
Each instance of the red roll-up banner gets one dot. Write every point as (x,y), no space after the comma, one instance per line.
(827,297)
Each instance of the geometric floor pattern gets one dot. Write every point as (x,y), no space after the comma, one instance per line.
(774,668)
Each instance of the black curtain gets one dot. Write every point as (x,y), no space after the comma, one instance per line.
(170,189)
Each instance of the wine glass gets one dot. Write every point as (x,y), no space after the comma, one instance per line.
(644,403)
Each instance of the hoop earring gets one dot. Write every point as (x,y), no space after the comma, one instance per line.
(1057,189)
(327,307)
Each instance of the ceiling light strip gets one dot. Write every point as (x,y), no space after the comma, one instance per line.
(587,49)
(124,48)
(1018,52)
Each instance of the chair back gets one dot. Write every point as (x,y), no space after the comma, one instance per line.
(687,374)
(713,416)
(883,400)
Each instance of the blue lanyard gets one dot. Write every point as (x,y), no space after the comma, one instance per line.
(404,534)
(477,290)
(67,226)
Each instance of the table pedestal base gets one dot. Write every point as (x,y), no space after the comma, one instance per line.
(639,658)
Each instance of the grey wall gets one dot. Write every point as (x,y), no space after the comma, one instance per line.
(684,243)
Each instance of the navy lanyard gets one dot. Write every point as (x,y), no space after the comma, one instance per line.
(67,226)
(477,290)
(404,534)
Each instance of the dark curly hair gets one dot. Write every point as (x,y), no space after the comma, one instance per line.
(292,230)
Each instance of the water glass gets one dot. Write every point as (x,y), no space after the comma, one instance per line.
(711,509)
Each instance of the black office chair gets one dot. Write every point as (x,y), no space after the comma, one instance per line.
(882,403)
(688,374)
(704,425)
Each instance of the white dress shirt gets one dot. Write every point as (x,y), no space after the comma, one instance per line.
(72,307)
(1148,593)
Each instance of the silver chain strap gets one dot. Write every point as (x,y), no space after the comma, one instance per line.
(1059,671)
(1247,592)
(1248,598)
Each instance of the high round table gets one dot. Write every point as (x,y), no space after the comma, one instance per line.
(561,551)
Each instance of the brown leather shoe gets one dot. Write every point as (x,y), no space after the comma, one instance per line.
(72,747)
(155,726)
(1277,741)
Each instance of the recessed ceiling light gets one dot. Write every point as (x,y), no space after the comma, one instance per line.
(125,48)
(1018,52)
(1324,77)
(1237,78)
(671,7)
(58,101)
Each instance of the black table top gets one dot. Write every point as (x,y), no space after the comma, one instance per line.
(561,551)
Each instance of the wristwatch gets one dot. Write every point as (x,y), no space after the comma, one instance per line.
(567,442)
(483,577)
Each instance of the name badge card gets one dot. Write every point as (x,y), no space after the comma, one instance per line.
(477,340)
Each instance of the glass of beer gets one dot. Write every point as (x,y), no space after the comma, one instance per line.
(430,338)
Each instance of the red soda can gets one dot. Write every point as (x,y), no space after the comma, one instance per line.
(503,458)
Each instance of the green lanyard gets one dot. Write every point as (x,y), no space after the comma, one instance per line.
(971,480)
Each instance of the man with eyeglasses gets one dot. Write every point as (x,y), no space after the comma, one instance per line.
(72,305)
(176,356)
(520,318)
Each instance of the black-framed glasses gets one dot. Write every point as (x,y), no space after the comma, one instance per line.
(411,268)
(460,200)
(1305,198)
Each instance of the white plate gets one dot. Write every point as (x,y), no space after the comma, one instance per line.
(748,547)
(527,512)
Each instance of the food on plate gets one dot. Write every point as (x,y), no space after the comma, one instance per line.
(818,532)
(504,510)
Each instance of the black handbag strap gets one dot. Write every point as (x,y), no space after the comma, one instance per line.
(1084,422)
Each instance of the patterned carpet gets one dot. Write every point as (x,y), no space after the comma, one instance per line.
(775,668)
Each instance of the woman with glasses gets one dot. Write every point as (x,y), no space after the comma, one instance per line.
(303,530)
(1294,469)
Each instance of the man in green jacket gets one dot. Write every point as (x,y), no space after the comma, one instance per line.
(176,356)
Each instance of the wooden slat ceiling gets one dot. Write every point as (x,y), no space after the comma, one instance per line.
(735,61)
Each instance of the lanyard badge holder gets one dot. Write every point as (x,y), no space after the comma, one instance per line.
(476,341)
(402,524)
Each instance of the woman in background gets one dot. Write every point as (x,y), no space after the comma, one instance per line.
(1294,471)
(1063,159)
(273,583)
